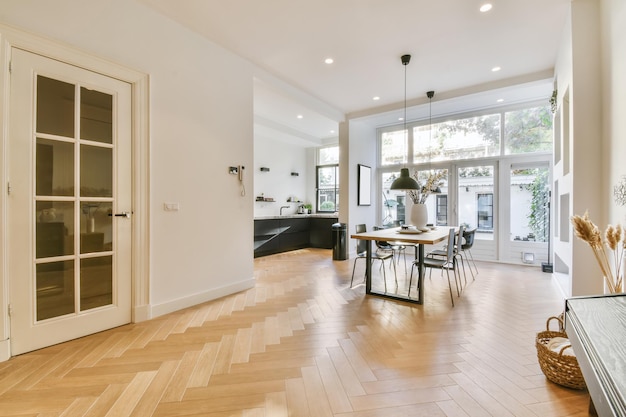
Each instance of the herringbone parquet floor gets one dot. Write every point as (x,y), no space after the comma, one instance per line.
(302,343)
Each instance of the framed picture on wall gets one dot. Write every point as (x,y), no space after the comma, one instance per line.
(365,185)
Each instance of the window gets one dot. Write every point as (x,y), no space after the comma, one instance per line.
(436,214)
(530,196)
(468,138)
(472,147)
(484,205)
(394,201)
(328,155)
(327,174)
(528,130)
(393,148)
(328,188)
(442,210)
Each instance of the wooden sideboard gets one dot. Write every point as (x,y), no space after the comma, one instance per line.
(596,327)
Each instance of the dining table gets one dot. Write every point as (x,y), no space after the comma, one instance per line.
(409,236)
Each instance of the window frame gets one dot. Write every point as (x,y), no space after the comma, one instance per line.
(499,246)
(335,189)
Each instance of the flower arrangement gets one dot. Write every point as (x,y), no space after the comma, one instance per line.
(614,239)
(433,182)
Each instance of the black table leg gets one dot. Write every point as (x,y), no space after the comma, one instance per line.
(368,267)
(419,253)
(421,273)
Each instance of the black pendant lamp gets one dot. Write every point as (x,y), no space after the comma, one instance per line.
(404,181)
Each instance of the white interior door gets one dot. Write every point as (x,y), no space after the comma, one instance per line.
(69,202)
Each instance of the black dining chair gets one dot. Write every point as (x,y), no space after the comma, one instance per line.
(465,249)
(458,242)
(361,253)
(396,248)
(446,264)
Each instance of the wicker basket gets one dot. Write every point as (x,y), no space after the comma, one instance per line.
(558,368)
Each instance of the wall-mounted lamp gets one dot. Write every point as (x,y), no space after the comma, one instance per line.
(467,189)
(294,174)
(265,169)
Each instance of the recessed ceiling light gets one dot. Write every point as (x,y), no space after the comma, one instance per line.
(375,98)
(500,100)
(299,116)
(329,61)
(495,69)
(332,131)
(486,7)
(400,118)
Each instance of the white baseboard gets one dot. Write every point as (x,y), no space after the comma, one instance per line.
(195,299)
(142,313)
(5,350)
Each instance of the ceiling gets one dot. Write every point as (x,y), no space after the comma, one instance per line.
(453,45)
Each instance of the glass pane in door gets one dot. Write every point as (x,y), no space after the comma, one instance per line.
(96,171)
(96,116)
(54,174)
(54,228)
(55,289)
(476,200)
(96,227)
(96,287)
(55,107)
(436,201)
(530,197)
(394,202)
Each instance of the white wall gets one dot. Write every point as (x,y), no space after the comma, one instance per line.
(613,24)
(362,150)
(282,159)
(201,122)
(591,66)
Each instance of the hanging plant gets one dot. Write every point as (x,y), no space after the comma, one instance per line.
(553,101)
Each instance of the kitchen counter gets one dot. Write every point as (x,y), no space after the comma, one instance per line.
(299,216)
(275,234)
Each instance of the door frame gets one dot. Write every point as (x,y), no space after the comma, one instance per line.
(140,180)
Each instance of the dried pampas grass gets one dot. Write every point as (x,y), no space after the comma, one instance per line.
(614,239)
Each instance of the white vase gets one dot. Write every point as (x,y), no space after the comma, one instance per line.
(419,215)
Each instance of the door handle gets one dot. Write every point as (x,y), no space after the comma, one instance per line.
(125,214)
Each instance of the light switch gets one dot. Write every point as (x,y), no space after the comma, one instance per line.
(171,206)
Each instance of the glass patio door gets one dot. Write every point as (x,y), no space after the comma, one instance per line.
(69,202)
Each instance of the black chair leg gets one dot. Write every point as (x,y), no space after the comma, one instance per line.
(353,268)
(450,286)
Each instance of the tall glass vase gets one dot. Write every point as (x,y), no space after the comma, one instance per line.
(419,215)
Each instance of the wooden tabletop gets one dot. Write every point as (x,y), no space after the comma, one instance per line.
(426,238)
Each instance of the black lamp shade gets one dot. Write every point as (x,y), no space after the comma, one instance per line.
(404,181)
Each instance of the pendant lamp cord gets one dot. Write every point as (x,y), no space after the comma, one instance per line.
(430,132)
(430,95)
(404,119)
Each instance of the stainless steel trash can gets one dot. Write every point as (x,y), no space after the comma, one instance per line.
(340,241)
